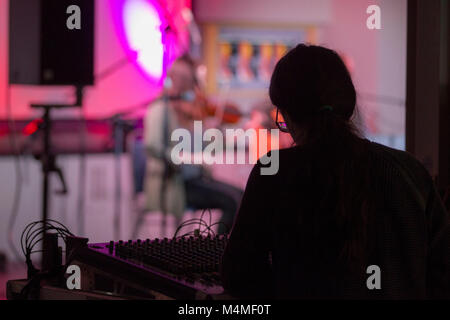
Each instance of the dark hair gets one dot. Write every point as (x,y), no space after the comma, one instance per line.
(313,88)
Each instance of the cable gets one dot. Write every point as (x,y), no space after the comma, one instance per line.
(199,222)
(33,234)
(203,212)
(189,223)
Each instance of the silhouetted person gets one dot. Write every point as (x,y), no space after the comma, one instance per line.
(338,204)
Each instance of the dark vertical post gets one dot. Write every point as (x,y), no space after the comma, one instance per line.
(46,160)
(444,112)
(423,101)
(118,149)
(411,75)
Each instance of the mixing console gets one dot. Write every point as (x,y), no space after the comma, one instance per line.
(185,267)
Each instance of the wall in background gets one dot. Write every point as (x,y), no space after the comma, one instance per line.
(99,198)
(377,57)
(392,66)
(264,11)
(98,193)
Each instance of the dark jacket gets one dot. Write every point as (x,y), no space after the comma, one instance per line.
(277,247)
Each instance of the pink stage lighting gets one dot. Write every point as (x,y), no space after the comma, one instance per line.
(143,31)
(140,27)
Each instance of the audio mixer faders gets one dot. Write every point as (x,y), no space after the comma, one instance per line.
(184,267)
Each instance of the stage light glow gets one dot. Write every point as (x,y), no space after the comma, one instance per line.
(142,29)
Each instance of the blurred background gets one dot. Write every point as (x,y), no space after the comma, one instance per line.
(235,45)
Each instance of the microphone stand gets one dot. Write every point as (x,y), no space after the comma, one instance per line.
(48,160)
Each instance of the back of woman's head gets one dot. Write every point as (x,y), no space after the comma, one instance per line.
(314,91)
(310,82)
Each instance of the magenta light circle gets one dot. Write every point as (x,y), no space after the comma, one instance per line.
(139,24)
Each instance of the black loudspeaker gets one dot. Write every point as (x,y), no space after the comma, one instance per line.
(43,50)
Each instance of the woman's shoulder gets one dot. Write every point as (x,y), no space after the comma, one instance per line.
(401,161)
(276,161)
(396,155)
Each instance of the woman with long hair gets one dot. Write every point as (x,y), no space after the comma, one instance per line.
(343,217)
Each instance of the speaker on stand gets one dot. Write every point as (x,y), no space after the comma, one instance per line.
(51,42)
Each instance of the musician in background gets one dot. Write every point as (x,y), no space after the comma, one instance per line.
(173,188)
